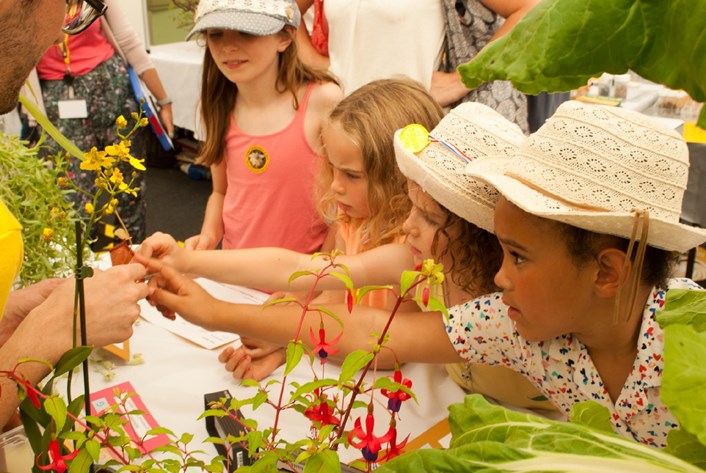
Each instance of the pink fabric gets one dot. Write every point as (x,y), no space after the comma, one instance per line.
(270,201)
(86,51)
(352,236)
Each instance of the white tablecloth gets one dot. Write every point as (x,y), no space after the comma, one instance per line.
(177,373)
(179,68)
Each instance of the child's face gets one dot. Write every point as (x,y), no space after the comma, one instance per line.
(245,58)
(425,219)
(547,293)
(350,181)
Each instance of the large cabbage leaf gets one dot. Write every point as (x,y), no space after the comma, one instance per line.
(489,438)
(560,44)
(684,377)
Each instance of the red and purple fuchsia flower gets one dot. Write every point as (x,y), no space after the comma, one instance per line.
(396,398)
(368,443)
(322,410)
(321,347)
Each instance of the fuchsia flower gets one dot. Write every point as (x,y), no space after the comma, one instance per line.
(425,296)
(324,348)
(396,398)
(31,393)
(350,300)
(58,461)
(322,412)
(369,444)
(394,449)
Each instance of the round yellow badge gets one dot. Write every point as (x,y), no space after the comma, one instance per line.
(414,137)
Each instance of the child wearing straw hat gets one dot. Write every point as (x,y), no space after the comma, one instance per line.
(450,221)
(589,225)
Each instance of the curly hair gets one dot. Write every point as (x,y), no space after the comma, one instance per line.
(370,116)
(476,254)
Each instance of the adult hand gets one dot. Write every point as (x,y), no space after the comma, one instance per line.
(111,299)
(242,364)
(447,87)
(21,302)
(171,292)
(167,118)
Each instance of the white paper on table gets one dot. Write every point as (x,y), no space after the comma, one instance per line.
(195,333)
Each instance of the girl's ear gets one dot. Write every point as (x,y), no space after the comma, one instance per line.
(610,275)
(286,38)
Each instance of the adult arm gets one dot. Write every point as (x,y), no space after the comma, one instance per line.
(47,331)
(307,52)
(135,53)
(447,87)
(21,302)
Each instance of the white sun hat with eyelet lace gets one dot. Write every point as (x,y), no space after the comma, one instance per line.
(597,168)
(436,161)
(255,17)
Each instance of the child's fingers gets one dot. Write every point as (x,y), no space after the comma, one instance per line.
(225,354)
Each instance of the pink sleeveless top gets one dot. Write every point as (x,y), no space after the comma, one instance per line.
(270,195)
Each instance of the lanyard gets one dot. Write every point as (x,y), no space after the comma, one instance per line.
(68,76)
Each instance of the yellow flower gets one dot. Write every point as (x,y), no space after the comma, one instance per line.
(116,177)
(137,163)
(89,208)
(47,234)
(94,160)
(144,121)
(120,122)
(135,115)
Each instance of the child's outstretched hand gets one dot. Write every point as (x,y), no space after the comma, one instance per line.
(200,242)
(172,292)
(252,363)
(162,247)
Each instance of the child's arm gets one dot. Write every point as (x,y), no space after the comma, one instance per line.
(414,336)
(212,228)
(270,268)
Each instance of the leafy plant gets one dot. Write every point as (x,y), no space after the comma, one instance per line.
(328,403)
(560,44)
(28,188)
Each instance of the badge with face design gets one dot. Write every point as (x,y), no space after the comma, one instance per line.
(257,159)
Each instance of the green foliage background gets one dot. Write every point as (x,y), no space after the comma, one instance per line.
(560,44)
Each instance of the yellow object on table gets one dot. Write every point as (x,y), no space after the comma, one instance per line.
(694,134)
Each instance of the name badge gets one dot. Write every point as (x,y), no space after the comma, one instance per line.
(73,109)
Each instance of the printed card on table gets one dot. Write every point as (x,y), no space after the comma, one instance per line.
(138,425)
(199,335)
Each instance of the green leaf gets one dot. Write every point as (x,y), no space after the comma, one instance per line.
(309,387)
(353,363)
(331,314)
(385,382)
(295,351)
(363,291)
(82,463)
(325,461)
(686,446)
(283,300)
(298,274)
(344,278)
(56,408)
(93,447)
(683,306)
(560,44)
(406,280)
(49,127)
(684,377)
(591,414)
(71,359)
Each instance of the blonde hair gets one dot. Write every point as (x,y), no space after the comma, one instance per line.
(218,95)
(370,116)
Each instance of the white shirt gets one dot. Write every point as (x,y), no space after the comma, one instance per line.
(381,39)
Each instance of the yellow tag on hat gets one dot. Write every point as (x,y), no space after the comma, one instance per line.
(414,137)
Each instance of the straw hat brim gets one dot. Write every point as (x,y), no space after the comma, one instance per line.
(445,190)
(667,235)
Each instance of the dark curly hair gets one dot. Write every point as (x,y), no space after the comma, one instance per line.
(475,253)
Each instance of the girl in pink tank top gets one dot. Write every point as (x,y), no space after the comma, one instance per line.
(262,111)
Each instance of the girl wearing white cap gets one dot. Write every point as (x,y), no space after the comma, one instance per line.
(589,223)
(262,111)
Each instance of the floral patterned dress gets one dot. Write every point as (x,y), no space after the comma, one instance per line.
(562,368)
